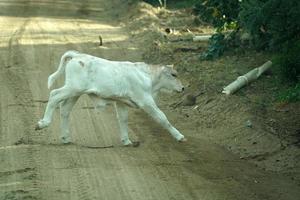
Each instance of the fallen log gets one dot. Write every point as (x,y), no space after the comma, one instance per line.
(246,79)
(201,38)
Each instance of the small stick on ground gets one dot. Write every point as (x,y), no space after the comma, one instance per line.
(40,101)
(97,147)
(100,41)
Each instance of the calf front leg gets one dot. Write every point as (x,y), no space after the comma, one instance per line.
(122,115)
(65,110)
(160,117)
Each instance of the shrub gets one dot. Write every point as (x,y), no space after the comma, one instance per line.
(272,23)
(288,61)
(216,47)
(219,13)
(291,95)
(275,26)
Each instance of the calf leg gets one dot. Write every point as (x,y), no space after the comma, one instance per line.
(55,97)
(160,117)
(122,114)
(65,110)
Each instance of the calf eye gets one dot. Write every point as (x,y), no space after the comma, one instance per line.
(174,75)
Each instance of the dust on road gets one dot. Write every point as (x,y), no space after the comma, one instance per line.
(34,165)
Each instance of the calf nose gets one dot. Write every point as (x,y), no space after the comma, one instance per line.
(182,89)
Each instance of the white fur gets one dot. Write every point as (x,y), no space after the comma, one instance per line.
(124,83)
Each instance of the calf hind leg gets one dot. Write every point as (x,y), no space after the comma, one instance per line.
(56,96)
(65,110)
(122,114)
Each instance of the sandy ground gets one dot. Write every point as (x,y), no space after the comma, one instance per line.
(35,165)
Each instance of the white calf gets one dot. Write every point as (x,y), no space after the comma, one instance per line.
(125,83)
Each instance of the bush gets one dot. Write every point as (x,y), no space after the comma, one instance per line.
(291,95)
(272,23)
(219,13)
(275,26)
(216,47)
(288,61)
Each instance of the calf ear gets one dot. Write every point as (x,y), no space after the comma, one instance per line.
(164,68)
(167,69)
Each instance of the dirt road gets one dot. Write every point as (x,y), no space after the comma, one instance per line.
(35,165)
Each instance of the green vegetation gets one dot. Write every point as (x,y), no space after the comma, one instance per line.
(291,95)
(288,61)
(220,13)
(216,47)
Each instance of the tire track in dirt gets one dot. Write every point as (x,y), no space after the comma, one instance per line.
(17,84)
(82,188)
(15,78)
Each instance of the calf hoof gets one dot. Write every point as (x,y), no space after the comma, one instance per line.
(65,140)
(126,142)
(181,139)
(41,124)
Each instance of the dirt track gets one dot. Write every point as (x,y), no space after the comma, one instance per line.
(34,165)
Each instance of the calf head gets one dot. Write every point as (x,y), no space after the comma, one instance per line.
(168,79)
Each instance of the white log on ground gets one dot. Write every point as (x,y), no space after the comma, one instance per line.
(201,38)
(246,79)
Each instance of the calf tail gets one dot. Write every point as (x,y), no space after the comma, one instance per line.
(61,68)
